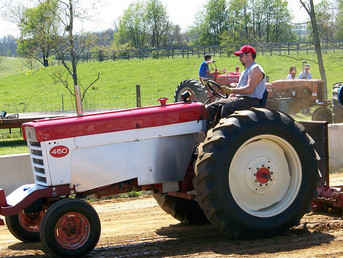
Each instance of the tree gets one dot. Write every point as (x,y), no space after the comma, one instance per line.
(8,46)
(213,22)
(339,21)
(325,19)
(72,47)
(132,27)
(158,23)
(38,31)
(309,7)
(176,38)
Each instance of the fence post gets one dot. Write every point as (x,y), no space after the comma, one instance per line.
(62,98)
(298,48)
(138,96)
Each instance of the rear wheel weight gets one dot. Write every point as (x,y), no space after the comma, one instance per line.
(71,228)
(256,173)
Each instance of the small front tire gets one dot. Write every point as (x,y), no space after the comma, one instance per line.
(25,226)
(70,228)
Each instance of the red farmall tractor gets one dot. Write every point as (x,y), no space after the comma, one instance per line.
(205,91)
(254,173)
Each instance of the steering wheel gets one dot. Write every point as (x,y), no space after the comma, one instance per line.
(215,90)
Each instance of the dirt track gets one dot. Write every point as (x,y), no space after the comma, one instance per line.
(139,228)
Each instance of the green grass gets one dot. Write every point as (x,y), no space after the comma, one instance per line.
(35,90)
(22,89)
(13,146)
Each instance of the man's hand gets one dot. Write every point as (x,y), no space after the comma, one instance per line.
(226,90)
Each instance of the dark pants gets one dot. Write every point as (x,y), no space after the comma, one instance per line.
(225,107)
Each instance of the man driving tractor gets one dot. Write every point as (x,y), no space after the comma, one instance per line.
(204,71)
(249,92)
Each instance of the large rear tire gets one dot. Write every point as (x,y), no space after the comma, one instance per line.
(256,173)
(70,228)
(197,90)
(186,211)
(25,226)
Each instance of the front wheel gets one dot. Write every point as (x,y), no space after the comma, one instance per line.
(25,226)
(256,173)
(70,228)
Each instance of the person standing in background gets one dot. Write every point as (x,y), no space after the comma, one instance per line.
(292,73)
(306,73)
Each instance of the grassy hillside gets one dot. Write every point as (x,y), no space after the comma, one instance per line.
(34,90)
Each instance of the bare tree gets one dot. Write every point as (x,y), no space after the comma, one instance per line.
(72,47)
(309,7)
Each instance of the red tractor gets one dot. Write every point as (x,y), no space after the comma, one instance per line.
(254,173)
(204,91)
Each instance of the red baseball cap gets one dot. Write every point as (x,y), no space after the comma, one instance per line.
(245,49)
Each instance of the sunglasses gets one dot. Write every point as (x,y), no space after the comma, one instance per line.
(243,54)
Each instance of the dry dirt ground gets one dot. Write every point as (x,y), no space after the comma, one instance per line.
(139,228)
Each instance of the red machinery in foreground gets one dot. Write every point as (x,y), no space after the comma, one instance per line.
(254,173)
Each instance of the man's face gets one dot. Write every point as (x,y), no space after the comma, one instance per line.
(244,58)
(307,69)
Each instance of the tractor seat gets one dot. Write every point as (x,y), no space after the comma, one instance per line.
(263,101)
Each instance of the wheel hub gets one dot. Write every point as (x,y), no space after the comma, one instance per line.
(263,175)
(260,175)
(30,221)
(72,230)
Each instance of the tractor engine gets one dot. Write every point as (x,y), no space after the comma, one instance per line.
(152,144)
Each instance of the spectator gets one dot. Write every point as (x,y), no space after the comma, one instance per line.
(204,71)
(292,73)
(306,73)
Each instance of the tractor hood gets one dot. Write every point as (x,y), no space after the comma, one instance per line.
(67,127)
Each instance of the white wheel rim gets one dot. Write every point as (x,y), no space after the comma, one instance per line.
(265,176)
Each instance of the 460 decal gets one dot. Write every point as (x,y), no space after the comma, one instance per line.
(59,151)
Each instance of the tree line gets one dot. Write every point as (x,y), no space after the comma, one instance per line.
(146,24)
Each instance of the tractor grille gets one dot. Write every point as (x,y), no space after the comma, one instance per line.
(39,170)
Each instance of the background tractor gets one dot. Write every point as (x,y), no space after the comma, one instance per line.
(253,174)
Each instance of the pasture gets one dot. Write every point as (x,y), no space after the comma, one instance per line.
(33,90)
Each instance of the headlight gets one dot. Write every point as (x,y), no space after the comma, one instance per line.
(30,134)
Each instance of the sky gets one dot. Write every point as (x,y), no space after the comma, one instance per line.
(181,12)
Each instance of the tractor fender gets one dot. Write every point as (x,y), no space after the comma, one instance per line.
(24,196)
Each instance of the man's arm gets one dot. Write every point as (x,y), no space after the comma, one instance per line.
(255,77)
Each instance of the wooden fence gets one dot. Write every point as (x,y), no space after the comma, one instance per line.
(264,48)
